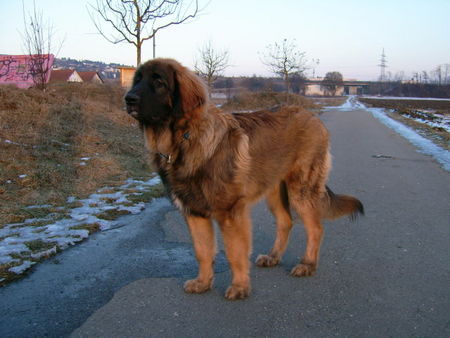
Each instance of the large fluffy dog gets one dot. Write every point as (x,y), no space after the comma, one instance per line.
(215,165)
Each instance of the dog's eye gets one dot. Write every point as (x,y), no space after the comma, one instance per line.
(159,84)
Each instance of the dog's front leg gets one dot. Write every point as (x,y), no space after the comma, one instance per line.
(237,236)
(202,233)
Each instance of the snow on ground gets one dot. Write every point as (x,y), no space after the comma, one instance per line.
(352,103)
(431,118)
(424,145)
(22,244)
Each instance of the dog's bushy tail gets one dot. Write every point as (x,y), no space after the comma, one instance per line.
(335,206)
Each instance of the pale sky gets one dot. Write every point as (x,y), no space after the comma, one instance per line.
(345,35)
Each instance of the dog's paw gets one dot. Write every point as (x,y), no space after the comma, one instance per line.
(266,261)
(196,286)
(303,270)
(235,292)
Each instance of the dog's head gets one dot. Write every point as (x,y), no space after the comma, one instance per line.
(164,90)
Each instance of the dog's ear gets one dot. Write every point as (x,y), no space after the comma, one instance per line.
(190,90)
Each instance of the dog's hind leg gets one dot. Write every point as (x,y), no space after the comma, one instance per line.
(202,233)
(237,237)
(278,202)
(310,215)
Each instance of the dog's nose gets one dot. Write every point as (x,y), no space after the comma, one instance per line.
(131,98)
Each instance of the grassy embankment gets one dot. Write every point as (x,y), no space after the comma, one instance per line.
(67,141)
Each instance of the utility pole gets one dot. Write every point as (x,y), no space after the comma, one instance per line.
(382,66)
(315,64)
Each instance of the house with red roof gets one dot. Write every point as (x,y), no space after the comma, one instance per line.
(64,75)
(92,77)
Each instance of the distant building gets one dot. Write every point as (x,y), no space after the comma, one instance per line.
(21,70)
(314,87)
(126,76)
(64,75)
(92,77)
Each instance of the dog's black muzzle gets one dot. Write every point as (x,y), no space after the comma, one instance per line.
(132,100)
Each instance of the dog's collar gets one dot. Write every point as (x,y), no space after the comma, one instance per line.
(168,157)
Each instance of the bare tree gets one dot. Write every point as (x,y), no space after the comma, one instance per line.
(399,76)
(37,39)
(425,77)
(284,60)
(447,73)
(438,74)
(332,81)
(212,63)
(136,21)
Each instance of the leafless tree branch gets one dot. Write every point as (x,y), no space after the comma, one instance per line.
(136,21)
(284,60)
(37,38)
(212,63)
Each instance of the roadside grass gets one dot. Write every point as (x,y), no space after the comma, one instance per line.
(67,141)
(91,227)
(331,101)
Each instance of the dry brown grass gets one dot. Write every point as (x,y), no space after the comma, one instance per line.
(44,135)
(248,101)
(329,101)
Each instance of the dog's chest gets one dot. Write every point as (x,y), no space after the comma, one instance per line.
(187,193)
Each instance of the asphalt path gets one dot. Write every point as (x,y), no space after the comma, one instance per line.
(387,274)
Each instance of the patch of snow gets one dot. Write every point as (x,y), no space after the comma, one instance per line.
(11,142)
(43,206)
(430,118)
(351,103)
(69,230)
(22,268)
(44,253)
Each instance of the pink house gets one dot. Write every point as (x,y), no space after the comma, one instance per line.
(19,69)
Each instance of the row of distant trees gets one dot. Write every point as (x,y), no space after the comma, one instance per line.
(408,89)
(440,75)
(283,59)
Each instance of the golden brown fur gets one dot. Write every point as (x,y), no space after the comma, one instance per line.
(217,165)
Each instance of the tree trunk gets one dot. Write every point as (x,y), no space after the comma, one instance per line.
(138,54)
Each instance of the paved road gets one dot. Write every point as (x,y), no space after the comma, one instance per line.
(387,274)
